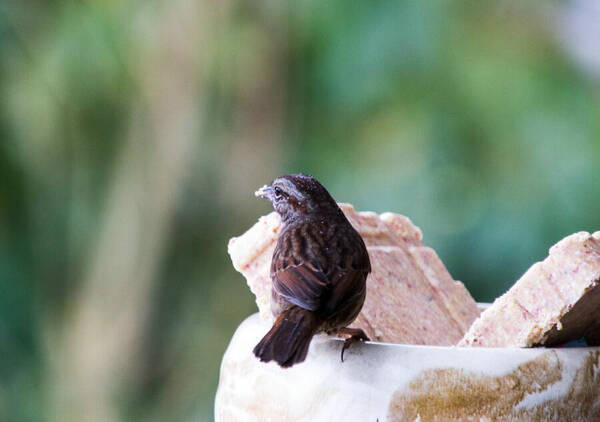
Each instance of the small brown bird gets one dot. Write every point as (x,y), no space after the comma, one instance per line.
(318,271)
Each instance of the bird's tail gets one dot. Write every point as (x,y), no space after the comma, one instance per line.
(288,340)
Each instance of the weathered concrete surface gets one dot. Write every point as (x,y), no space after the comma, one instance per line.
(388,382)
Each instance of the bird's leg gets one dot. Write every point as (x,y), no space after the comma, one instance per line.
(351,335)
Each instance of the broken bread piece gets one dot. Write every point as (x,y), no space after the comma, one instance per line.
(555,301)
(411,297)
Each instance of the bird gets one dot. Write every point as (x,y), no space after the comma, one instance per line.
(318,271)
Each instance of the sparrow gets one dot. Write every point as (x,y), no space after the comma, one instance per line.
(318,271)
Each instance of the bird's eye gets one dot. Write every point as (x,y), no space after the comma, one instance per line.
(278,192)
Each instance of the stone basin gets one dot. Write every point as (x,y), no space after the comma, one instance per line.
(398,382)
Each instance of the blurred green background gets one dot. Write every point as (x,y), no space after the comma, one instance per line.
(133,135)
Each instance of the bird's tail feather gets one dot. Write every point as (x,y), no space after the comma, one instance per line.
(288,340)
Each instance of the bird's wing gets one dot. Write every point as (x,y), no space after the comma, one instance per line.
(303,285)
(311,264)
(299,269)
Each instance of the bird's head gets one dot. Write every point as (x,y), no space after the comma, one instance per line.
(296,195)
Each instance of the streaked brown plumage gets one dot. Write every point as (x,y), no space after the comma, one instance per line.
(319,270)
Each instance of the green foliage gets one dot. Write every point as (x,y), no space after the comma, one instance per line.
(469,117)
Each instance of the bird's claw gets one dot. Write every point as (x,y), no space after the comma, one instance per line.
(356,335)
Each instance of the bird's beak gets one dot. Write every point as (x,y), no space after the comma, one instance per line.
(265,192)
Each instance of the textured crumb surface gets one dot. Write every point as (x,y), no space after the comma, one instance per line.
(555,301)
(411,297)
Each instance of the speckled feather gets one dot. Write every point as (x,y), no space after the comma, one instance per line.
(319,266)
